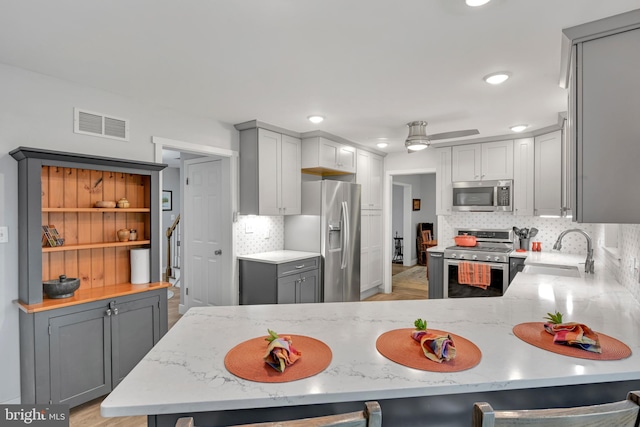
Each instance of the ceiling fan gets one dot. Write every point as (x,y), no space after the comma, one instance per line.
(419,140)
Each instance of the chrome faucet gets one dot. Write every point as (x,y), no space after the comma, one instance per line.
(588,264)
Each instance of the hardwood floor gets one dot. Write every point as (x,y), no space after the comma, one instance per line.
(88,414)
(408,283)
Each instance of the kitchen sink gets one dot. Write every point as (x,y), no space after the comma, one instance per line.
(554,270)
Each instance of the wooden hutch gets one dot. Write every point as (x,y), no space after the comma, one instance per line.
(75,349)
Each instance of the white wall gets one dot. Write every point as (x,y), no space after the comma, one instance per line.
(37,111)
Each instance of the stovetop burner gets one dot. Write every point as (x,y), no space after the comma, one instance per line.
(492,246)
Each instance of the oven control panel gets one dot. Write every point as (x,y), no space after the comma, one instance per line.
(469,256)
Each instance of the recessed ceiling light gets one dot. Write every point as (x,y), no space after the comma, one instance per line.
(315,119)
(476,3)
(518,128)
(382,144)
(497,78)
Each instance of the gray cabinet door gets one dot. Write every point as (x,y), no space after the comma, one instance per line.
(607,129)
(135,328)
(435,273)
(80,356)
(308,288)
(287,289)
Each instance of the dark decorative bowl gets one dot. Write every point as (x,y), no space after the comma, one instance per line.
(61,288)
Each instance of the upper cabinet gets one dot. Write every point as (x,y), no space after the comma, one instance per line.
(523,176)
(548,174)
(369,175)
(321,156)
(270,180)
(600,65)
(444,192)
(482,162)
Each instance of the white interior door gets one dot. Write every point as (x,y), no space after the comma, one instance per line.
(203,234)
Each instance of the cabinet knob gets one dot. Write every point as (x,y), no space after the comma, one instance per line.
(108,312)
(304,278)
(115,311)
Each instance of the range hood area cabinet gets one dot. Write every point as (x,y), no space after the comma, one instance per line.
(321,156)
(482,162)
(270,177)
(444,189)
(600,66)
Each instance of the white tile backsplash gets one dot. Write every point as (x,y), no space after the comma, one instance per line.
(629,249)
(255,234)
(548,228)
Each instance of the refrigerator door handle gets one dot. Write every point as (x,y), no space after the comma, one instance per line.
(345,235)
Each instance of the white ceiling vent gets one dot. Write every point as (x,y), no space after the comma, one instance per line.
(98,124)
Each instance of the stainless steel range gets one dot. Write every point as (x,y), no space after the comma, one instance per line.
(492,249)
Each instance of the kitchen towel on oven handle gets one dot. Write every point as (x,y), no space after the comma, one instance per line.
(474,274)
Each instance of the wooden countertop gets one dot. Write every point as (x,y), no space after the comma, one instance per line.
(82,296)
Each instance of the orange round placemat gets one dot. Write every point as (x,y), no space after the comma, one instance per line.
(398,346)
(245,360)
(534,334)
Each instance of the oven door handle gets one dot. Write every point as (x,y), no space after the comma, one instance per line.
(491,264)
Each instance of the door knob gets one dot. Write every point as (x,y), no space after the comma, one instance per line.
(218,252)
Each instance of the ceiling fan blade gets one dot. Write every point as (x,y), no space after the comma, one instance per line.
(454,134)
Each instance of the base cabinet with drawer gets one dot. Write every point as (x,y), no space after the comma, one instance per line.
(285,283)
(81,352)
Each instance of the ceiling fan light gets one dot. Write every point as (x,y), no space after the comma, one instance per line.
(416,146)
(476,3)
(417,139)
(382,144)
(497,78)
(518,128)
(315,119)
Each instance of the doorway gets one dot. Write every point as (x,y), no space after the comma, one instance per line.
(196,288)
(412,181)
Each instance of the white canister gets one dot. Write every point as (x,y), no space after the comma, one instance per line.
(139,266)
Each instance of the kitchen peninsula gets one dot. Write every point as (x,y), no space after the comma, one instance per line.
(185,373)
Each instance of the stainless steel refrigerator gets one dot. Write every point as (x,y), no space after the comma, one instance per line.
(330,225)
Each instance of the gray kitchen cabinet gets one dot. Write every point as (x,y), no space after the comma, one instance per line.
(482,162)
(369,176)
(286,283)
(270,176)
(321,156)
(548,174)
(523,176)
(299,288)
(516,265)
(444,190)
(600,64)
(435,273)
(83,351)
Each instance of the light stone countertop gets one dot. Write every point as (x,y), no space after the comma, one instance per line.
(185,371)
(279,257)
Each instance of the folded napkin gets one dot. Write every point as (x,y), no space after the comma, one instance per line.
(280,353)
(436,347)
(574,334)
(474,274)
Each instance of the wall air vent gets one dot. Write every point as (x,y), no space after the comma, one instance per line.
(98,124)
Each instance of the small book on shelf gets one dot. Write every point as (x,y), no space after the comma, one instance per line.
(50,236)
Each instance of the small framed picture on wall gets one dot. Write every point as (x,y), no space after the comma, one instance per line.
(416,204)
(167,202)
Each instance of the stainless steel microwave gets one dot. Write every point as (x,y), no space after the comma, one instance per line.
(483,196)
